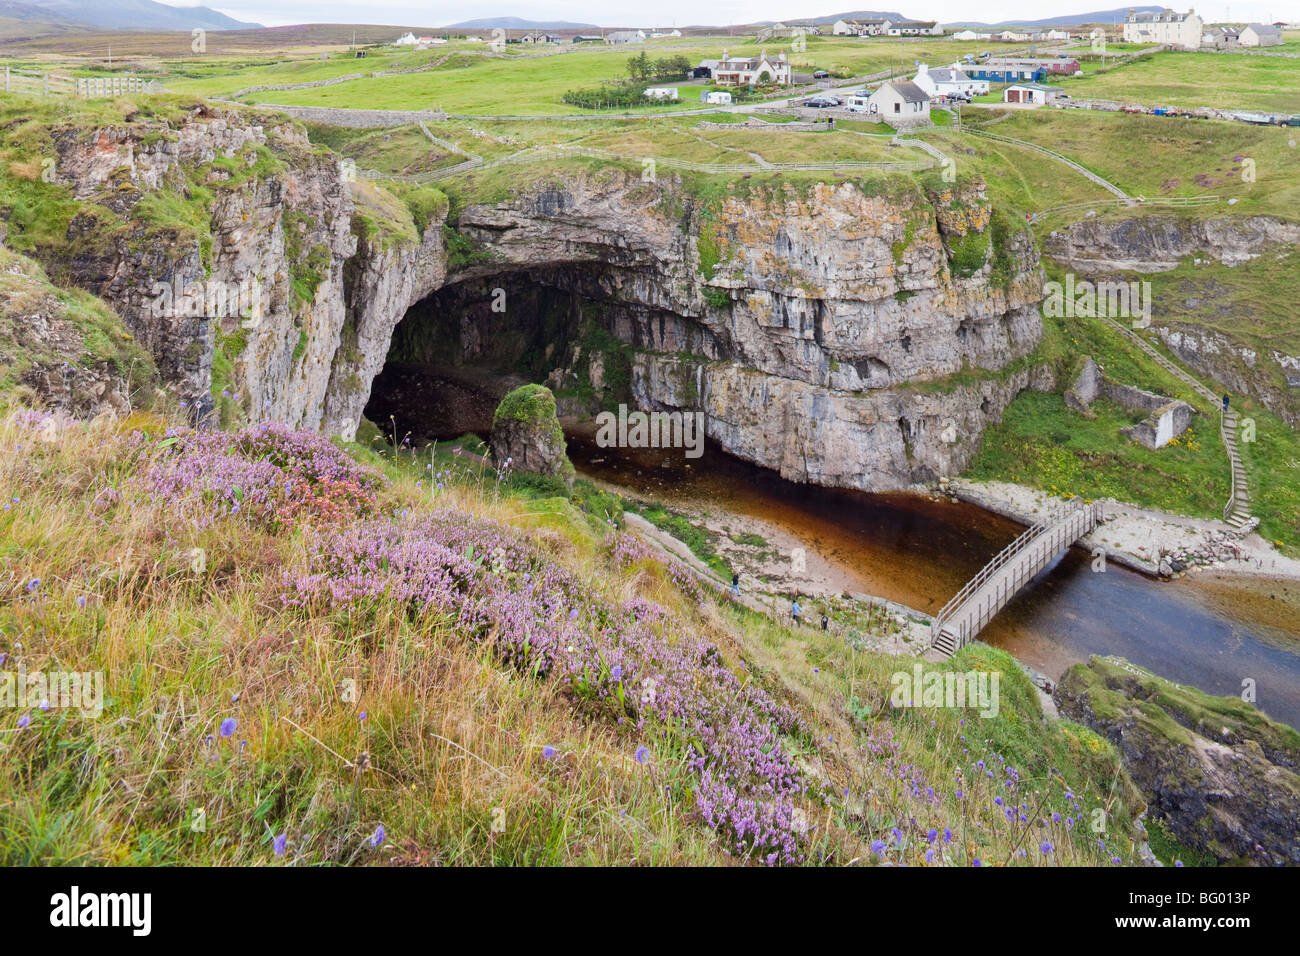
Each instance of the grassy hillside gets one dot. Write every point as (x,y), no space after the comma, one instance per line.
(313,655)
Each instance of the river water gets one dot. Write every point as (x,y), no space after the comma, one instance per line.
(918,552)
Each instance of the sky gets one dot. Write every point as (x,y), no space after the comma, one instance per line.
(660,13)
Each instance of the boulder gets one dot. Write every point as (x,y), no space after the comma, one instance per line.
(526,435)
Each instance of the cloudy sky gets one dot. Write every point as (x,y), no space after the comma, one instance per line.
(434,13)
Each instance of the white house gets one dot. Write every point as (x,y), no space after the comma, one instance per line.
(900,102)
(950,81)
(406,39)
(1030,94)
(622,37)
(971,35)
(1056,35)
(662,93)
(748,71)
(860,28)
(1173,29)
(914,28)
(1259,34)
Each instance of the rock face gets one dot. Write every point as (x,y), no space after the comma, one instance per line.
(69,350)
(851,334)
(1159,243)
(814,326)
(279,221)
(526,435)
(1220,775)
(1271,376)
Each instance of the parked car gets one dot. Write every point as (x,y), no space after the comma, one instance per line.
(821,75)
(822,102)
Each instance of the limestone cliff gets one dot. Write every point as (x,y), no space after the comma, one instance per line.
(851,333)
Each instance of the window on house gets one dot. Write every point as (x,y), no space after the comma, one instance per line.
(897,107)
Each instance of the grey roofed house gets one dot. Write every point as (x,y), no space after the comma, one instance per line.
(948,75)
(910,92)
(1266,30)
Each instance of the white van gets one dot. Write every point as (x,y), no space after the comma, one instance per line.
(858,102)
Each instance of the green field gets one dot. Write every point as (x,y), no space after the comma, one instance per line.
(1160,156)
(1218,80)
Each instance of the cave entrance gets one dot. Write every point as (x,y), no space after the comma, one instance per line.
(458,351)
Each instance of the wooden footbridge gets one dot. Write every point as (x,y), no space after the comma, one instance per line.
(962,618)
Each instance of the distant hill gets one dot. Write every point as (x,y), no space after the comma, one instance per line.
(857,15)
(518,23)
(120,15)
(1117,15)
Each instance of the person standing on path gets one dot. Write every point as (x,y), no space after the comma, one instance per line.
(735,583)
(1225,401)
(795,609)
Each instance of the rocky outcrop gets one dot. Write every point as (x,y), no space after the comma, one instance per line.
(1269,375)
(1220,775)
(67,350)
(1158,243)
(232,205)
(526,435)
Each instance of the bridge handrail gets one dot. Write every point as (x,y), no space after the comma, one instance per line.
(1056,518)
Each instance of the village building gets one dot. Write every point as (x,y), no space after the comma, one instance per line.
(914,28)
(1031,94)
(1220,37)
(860,28)
(949,81)
(900,103)
(751,71)
(1172,29)
(623,37)
(1259,34)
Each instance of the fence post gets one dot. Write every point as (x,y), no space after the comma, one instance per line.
(45,84)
